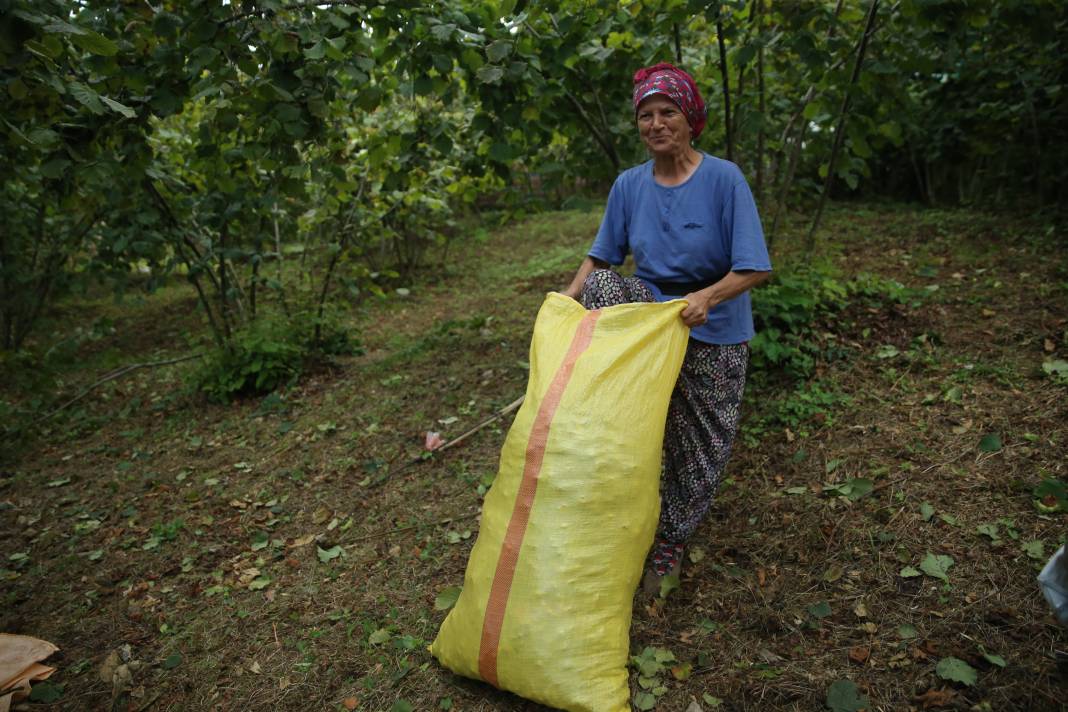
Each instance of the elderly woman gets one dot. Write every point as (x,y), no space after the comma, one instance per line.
(690,222)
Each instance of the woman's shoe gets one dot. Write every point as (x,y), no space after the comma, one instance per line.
(665,560)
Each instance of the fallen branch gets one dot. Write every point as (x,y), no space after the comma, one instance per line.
(111,377)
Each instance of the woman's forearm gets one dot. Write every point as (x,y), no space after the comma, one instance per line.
(733,284)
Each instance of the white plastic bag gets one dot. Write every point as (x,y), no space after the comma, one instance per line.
(1054,583)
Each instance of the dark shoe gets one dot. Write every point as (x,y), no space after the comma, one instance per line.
(665,560)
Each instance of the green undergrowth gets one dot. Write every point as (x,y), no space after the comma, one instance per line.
(270,353)
(802,324)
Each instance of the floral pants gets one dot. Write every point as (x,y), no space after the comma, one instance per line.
(701,423)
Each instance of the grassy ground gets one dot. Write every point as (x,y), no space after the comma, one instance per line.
(197,542)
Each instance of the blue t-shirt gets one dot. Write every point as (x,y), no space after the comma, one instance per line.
(695,232)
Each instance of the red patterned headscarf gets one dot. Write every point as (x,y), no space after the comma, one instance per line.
(675,84)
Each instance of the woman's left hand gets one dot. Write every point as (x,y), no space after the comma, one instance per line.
(696,311)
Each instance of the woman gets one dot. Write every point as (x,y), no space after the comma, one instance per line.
(690,221)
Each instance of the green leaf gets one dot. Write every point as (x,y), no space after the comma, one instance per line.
(859,487)
(820,610)
(173,660)
(499,50)
(327,555)
(956,670)
(489,74)
(644,701)
(844,696)
(905,630)
(118,108)
(663,655)
(710,700)
(668,584)
(937,565)
(260,540)
(926,511)
(446,599)
(908,572)
(46,692)
(379,636)
(1034,549)
(1057,369)
(402,706)
(259,583)
(991,442)
(94,42)
(994,659)
(86,97)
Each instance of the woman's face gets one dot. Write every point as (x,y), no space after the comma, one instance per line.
(662,126)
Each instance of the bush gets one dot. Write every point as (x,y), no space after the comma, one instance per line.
(793,313)
(258,360)
(269,354)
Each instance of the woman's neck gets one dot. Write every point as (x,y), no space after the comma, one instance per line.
(675,168)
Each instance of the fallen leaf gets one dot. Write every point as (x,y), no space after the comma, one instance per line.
(844,696)
(447,598)
(1048,346)
(860,654)
(302,541)
(859,610)
(935,698)
(351,703)
(321,516)
(255,667)
(991,442)
(956,670)
(937,565)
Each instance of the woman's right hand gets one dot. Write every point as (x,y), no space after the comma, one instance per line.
(570,291)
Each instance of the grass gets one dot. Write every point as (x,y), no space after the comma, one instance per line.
(276,553)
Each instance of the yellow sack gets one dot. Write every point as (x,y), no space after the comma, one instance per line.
(546,604)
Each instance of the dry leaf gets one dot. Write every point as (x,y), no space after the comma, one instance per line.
(935,698)
(860,654)
(1048,345)
(255,667)
(351,703)
(321,516)
(302,541)
(859,610)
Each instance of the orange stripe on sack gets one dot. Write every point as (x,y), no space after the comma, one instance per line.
(517,525)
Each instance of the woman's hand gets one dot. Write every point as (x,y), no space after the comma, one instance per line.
(697,306)
(572,292)
(700,303)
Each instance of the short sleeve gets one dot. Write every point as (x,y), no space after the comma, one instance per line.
(611,244)
(748,250)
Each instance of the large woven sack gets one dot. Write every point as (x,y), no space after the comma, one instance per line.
(545,609)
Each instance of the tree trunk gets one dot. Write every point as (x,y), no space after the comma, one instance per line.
(725,79)
(678,44)
(759,4)
(224,307)
(839,130)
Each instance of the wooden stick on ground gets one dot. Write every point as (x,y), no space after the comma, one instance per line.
(112,376)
